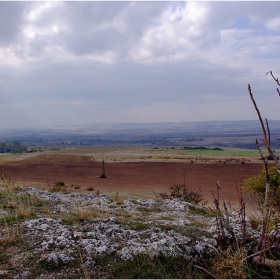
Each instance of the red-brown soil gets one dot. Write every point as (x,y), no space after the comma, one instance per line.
(130,177)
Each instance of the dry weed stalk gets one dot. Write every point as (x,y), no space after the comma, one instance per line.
(219,220)
(266,134)
(83,266)
(241,211)
(222,221)
(263,238)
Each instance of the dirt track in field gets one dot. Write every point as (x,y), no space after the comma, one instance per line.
(140,178)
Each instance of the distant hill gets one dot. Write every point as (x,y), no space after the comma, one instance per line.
(239,134)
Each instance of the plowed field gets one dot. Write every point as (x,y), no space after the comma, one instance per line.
(130,177)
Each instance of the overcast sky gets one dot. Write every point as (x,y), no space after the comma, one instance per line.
(91,62)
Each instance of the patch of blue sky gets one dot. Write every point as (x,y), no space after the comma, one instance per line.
(180,4)
(178,18)
(242,22)
(269,56)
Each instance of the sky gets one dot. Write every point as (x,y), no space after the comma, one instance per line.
(71,63)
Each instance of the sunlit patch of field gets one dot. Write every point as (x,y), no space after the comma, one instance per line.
(16,157)
(228,153)
(135,154)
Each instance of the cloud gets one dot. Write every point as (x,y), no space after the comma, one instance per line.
(10,22)
(77,62)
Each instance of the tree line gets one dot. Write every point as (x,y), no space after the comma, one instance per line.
(15,147)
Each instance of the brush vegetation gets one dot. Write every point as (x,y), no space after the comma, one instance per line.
(228,262)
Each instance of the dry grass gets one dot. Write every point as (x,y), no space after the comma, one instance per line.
(122,196)
(25,211)
(82,213)
(21,206)
(198,222)
(11,233)
(231,264)
(8,183)
(66,190)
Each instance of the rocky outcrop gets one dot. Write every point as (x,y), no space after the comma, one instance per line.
(57,240)
(122,230)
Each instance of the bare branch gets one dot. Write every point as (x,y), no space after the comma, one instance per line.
(259,115)
(205,270)
(275,79)
(258,253)
(260,151)
(267,128)
(266,141)
(266,202)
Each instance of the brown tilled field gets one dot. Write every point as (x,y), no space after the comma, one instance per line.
(141,178)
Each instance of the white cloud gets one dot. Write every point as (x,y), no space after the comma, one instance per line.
(274,24)
(150,61)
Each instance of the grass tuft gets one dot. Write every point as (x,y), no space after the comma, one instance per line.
(231,264)
(160,267)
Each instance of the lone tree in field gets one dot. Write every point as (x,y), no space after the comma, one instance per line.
(103,170)
(271,154)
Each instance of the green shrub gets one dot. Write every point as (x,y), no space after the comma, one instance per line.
(256,185)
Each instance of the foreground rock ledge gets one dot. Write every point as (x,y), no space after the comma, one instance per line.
(69,228)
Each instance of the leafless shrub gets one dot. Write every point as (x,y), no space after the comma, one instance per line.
(269,216)
(180,191)
(271,153)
